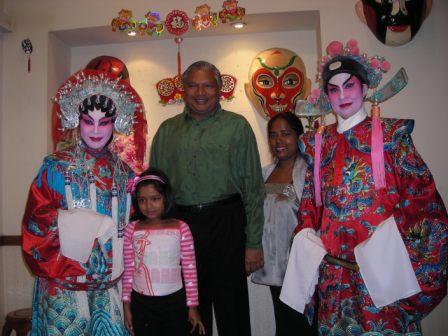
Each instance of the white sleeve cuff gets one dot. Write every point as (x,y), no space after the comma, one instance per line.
(78,229)
(385,265)
(302,272)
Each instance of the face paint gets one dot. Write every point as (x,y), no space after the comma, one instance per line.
(96,129)
(394,22)
(346,94)
(277,80)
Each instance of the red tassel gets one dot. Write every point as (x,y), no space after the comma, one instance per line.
(377,150)
(317,158)
(179,40)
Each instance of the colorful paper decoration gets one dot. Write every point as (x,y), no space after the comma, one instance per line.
(204,18)
(28,49)
(154,24)
(177,22)
(151,24)
(171,91)
(231,11)
(228,87)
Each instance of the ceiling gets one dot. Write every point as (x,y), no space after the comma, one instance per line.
(255,23)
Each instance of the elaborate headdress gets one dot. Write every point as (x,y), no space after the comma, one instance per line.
(129,116)
(87,83)
(369,70)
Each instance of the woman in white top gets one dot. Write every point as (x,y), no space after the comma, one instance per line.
(284,184)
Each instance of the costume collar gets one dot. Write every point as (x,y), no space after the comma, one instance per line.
(187,114)
(346,124)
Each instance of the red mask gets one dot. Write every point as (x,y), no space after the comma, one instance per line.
(277,80)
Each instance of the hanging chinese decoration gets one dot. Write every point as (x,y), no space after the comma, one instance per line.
(231,11)
(177,23)
(150,25)
(170,90)
(204,18)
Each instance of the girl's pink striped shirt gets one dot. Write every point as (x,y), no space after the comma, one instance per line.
(133,256)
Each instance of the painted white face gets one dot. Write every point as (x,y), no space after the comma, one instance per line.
(346,94)
(96,129)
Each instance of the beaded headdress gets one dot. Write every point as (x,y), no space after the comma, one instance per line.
(87,83)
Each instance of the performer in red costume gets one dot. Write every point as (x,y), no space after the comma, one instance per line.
(372,232)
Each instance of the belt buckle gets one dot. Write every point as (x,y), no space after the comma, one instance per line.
(197,208)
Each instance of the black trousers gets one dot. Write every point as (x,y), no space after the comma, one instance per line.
(160,315)
(288,321)
(219,238)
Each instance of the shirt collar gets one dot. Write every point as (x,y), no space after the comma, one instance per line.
(187,114)
(346,124)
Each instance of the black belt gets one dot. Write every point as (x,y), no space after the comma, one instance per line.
(203,206)
(341,262)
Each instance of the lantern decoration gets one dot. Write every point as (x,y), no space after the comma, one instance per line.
(231,11)
(28,49)
(204,18)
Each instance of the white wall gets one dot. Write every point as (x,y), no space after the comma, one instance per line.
(24,132)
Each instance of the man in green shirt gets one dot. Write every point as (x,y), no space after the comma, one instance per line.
(211,158)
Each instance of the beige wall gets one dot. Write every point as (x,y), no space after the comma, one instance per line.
(2,288)
(24,134)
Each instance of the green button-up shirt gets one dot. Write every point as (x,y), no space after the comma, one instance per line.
(210,160)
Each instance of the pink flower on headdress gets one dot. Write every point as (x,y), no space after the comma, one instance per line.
(385,66)
(334,48)
(375,63)
(354,51)
(312,98)
(352,45)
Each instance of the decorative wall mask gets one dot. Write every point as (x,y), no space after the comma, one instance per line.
(394,22)
(111,65)
(277,79)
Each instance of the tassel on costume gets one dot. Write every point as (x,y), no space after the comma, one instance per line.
(377,151)
(317,158)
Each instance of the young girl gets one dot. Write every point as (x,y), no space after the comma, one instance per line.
(156,248)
